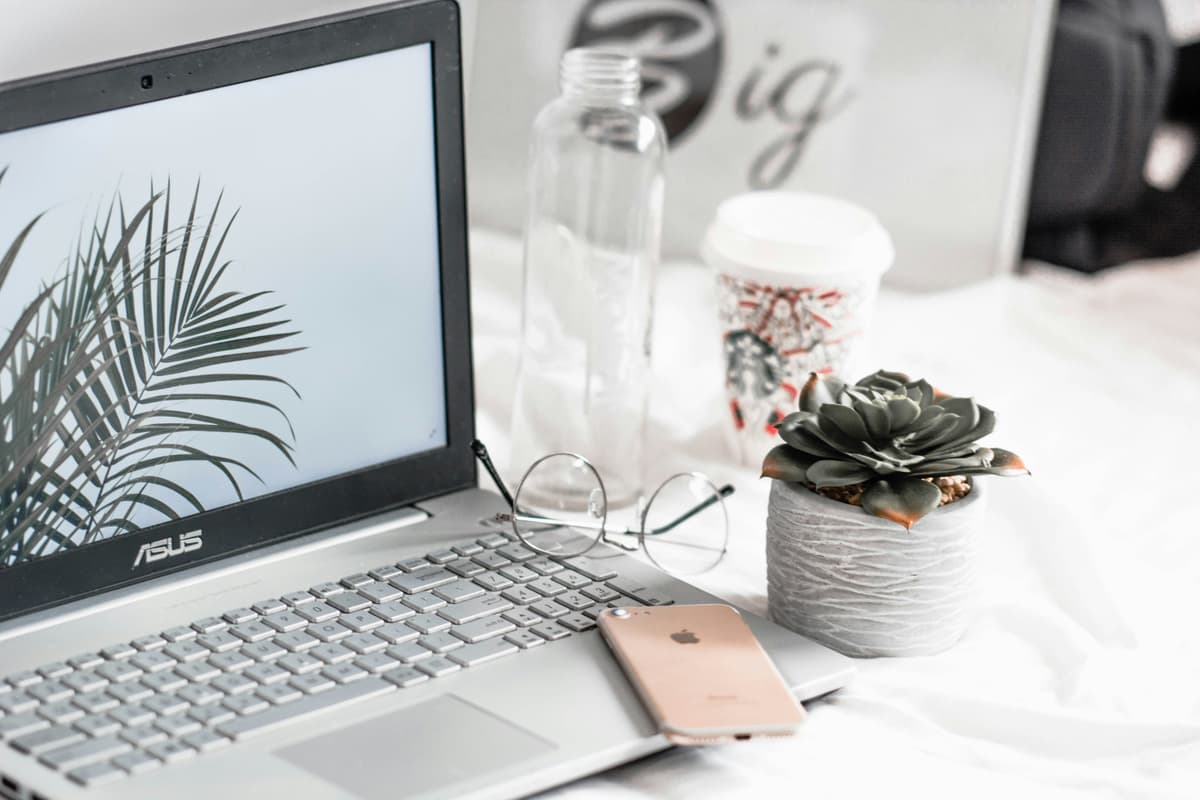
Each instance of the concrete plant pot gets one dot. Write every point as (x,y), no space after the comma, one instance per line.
(865,586)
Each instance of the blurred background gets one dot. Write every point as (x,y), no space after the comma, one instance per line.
(977,131)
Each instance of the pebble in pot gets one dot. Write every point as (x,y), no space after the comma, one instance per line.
(872,515)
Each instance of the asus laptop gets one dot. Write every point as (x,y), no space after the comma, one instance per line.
(241,549)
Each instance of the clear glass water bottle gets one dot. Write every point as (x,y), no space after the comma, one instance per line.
(591,250)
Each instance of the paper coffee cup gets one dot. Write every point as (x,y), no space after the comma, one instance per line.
(797,277)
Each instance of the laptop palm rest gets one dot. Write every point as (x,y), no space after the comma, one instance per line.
(427,746)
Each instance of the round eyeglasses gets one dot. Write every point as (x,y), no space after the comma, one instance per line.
(560,510)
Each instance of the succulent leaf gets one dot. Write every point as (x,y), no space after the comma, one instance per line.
(787,464)
(815,393)
(845,421)
(878,423)
(903,412)
(903,500)
(828,473)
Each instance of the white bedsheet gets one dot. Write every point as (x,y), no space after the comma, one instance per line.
(1080,675)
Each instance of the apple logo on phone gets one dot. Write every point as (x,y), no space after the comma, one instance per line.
(685,637)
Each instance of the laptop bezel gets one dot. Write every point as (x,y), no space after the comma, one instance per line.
(265,520)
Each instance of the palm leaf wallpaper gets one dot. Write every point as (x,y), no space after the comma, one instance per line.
(135,361)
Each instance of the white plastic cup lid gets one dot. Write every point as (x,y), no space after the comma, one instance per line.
(767,235)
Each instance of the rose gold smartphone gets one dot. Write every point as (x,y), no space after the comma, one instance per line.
(701,673)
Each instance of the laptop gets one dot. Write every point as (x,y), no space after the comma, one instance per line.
(241,545)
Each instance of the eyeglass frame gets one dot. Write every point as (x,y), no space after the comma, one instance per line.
(602,529)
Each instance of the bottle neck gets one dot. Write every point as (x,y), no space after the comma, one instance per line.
(599,77)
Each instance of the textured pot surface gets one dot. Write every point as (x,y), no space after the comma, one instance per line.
(865,586)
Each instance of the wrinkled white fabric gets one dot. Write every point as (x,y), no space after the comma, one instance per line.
(1079,675)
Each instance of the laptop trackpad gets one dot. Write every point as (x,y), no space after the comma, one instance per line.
(426,746)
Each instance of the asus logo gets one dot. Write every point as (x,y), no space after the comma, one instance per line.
(168,548)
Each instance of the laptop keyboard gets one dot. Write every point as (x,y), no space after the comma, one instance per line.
(170,696)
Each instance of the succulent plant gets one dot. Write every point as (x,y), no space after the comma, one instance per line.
(888,433)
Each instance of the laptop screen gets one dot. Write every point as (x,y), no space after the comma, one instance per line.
(215,297)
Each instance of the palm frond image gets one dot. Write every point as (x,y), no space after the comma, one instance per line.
(136,361)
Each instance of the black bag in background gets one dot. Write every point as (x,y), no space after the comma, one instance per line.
(1108,85)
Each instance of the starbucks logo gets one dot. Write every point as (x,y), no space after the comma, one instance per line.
(679,42)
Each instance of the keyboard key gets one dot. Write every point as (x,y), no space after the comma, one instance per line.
(361,621)
(524,639)
(600,593)
(474,654)
(572,579)
(210,715)
(176,724)
(78,755)
(219,642)
(60,713)
(356,580)
(14,725)
(577,622)
(382,573)
(591,568)
(132,715)
(520,595)
(17,702)
(252,631)
(493,581)
(115,652)
(574,601)
(310,704)
(24,679)
(47,739)
(546,586)
(440,642)
(294,599)
(363,643)
(413,564)
(380,591)
(245,703)
(427,623)
(347,602)
(299,663)
(395,633)
(296,641)
(317,612)
(438,666)
(186,651)
(146,662)
(205,741)
(490,559)
(268,607)
(458,591)
(474,609)
(550,631)
(50,691)
(328,631)
(267,674)
(312,683)
(424,602)
(200,694)
(393,611)
(467,550)
(151,642)
(210,625)
(481,629)
(239,615)
(165,704)
(231,661)
(98,725)
(332,653)
(198,671)
(493,540)
(97,702)
(128,692)
(84,681)
(164,682)
(548,608)
(522,617)
(518,573)
(376,663)
(171,752)
(263,651)
(285,621)
(86,661)
(137,762)
(143,735)
(344,673)
(442,556)
(544,566)
(180,633)
(279,693)
(233,684)
(414,582)
(405,677)
(516,552)
(95,774)
(407,653)
(55,669)
(643,594)
(464,568)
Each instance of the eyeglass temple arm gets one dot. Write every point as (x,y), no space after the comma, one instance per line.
(481,453)
(723,492)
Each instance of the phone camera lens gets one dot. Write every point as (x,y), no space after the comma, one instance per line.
(147,81)
(620,612)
